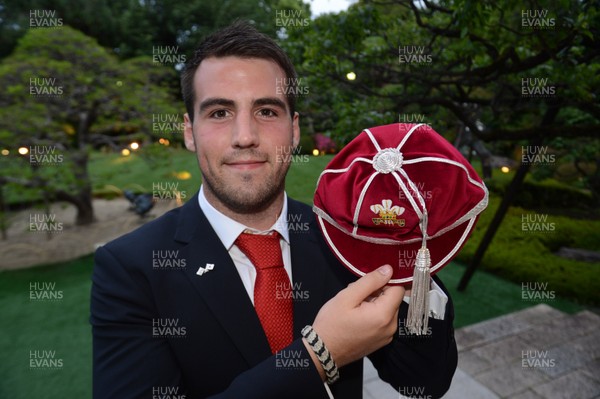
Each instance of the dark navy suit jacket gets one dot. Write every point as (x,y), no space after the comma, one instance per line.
(159,327)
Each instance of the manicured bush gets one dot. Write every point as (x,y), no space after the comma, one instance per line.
(522,254)
(546,194)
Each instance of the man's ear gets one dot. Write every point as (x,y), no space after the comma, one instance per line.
(188,133)
(296,129)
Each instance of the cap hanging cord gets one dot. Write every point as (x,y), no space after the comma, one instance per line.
(418,309)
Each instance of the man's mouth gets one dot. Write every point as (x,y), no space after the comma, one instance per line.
(246,164)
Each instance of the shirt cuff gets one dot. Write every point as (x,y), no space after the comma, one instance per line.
(328,391)
(437,301)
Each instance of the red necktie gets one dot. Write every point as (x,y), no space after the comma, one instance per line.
(272,289)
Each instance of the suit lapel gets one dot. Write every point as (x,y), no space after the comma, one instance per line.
(307,266)
(220,288)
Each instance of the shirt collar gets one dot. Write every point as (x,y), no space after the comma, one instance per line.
(228,229)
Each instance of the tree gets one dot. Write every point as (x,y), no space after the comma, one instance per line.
(134,28)
(63,95)
(482,73)
(461,63)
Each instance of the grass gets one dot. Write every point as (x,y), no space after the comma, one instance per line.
(60,326)
(113,173)
(489,296)
(302,178)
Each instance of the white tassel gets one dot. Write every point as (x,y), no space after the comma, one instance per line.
(418,309)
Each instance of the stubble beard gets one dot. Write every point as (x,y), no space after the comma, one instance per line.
(262,192)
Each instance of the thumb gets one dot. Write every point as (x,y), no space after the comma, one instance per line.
(359,290)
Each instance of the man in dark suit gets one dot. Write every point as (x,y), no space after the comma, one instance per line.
(175,307)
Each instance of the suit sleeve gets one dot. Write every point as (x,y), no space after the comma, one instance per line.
(125,354)
(128,362)
(422,365)
(272,379)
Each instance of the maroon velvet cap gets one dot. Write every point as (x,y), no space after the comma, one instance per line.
(393,189)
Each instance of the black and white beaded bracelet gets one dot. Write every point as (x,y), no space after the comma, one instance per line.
(316,343)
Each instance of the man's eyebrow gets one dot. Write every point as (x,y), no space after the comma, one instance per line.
(209,102)
(270,101)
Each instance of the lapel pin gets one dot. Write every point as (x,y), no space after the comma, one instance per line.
(206,269)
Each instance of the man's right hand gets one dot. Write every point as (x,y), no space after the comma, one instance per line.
(360,319)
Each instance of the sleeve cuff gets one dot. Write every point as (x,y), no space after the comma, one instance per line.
(328,391)
(437,301)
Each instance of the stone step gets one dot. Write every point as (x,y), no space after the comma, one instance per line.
(513,323)
(539,352)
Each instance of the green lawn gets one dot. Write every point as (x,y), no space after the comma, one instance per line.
(488,296)
(112,173)
(60,326)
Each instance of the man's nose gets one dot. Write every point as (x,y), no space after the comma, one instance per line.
(245,132)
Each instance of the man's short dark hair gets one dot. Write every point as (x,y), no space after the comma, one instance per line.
(240,39)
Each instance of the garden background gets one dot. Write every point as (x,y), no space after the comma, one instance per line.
(90,113)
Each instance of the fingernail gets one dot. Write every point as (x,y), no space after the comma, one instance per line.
(386,270)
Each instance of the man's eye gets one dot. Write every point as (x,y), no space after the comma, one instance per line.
(219,114)
(268,112)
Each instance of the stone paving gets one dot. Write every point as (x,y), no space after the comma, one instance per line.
(536,353)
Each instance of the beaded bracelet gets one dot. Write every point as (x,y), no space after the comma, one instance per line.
(317,345)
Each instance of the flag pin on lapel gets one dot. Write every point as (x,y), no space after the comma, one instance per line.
(206,269)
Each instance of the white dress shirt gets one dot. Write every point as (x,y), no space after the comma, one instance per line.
(228,231)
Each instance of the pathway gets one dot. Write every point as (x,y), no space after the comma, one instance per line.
(26,247)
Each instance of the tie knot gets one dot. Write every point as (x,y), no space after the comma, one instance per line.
(263,250)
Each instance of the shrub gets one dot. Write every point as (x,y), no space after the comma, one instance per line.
(523,256)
